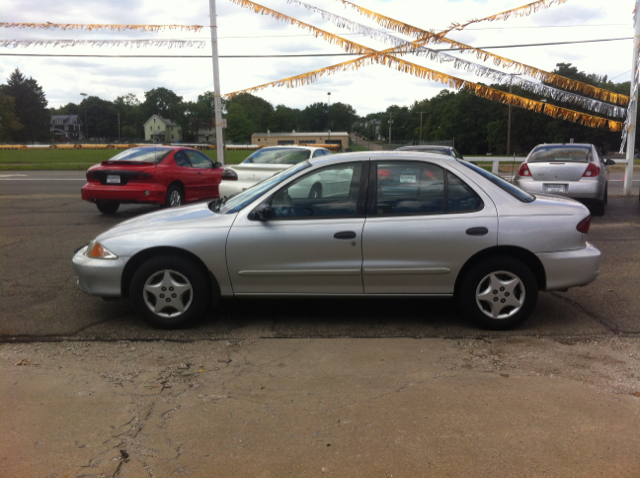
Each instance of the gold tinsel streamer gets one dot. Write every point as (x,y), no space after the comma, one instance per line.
(516,12)
(552,78)
(101,26)
(456,83)
(421,72)
(346,45)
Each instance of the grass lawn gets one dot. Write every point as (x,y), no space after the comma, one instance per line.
(355,147)
(51,159)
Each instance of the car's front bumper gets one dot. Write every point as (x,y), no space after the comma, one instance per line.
(583,190)
(131,193)
(99,277)
(566,269)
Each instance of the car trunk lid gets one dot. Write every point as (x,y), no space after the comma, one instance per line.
(557,170)
(257,172)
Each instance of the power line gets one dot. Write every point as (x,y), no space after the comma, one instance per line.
(304,55)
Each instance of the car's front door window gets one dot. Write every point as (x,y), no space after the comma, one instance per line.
(331,192)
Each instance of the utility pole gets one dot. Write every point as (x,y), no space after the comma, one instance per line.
(216,81)
(421,112)
(632,113)
(509,118)
(389,129)
(86,127)
(329,117)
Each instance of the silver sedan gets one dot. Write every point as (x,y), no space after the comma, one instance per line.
(386,224)
(574,170)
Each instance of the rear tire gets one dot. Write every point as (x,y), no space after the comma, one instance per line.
(107,207)
(599,206)
(175,196)
(170,292)
(499,293)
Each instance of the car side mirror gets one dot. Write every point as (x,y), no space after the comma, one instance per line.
(264,212)
(609,162)
(217,164)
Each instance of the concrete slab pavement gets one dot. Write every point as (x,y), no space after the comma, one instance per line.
(321,407)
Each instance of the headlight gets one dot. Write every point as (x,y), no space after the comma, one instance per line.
(96,250)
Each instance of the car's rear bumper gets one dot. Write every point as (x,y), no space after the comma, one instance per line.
(584,190)
(130,193)
(99,277)
(566,269)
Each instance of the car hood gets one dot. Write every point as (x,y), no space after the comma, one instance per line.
(178,219)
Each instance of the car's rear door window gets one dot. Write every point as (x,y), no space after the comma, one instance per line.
(419,188)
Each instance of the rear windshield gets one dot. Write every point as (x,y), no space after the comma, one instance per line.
(505,185)
(439,151)
(565,154)
(145,155)
(286,156)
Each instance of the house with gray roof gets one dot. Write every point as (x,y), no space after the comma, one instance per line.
(66,127)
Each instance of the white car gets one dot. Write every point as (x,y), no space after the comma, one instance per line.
(263,164)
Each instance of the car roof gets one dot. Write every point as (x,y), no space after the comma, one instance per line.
(379,156)
(301,147)
(565,145)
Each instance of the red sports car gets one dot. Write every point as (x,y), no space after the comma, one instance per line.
(162,175)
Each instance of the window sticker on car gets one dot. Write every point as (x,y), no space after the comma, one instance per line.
(408,178)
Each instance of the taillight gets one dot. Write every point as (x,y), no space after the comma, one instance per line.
(142,175)
(524,170)
(584,225)
(591,171)
(92,175)
(229,174)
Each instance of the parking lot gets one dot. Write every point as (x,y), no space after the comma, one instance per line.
(43,220)
(306,388)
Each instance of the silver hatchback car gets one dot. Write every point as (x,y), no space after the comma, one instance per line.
(385,224)
(574,170)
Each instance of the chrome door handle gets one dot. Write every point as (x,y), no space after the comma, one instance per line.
(345,235)
(477,231)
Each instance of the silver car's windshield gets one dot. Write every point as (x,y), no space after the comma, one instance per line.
(239,201)
(565,154)
(145,155)
(289,156)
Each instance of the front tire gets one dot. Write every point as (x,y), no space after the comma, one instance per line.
(175,197)
(107,207)
(499,293)
(170,292)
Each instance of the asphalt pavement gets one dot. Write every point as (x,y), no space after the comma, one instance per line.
(43,221)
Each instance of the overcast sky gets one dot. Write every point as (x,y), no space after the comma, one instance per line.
(242,32)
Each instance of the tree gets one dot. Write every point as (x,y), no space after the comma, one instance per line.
(131,120)
(315,117)
(30,107)
(246,114)
(101,118)
(284,119)
(9,122)
(164,102)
